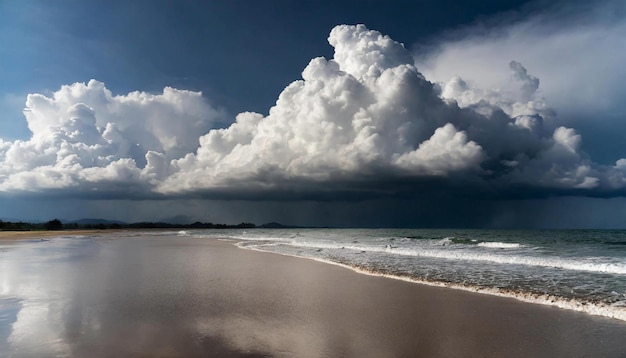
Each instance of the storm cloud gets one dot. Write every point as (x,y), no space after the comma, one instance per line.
(575,49)
(364,124)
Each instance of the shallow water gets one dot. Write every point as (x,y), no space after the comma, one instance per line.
(577,269)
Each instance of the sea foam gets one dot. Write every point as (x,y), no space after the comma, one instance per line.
(616,311)
(577,264)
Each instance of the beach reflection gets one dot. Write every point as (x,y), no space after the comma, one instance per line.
(34,295)
(139,296)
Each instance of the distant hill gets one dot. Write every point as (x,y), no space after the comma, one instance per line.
(275,225)
(178,219)
(171,223)
(102,224)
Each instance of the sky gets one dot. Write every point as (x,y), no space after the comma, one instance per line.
(486,114)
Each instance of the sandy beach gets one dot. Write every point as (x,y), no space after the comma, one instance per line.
(168,296)
(28,235)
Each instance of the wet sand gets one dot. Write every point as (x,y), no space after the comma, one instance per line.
(168,296)
(28,235)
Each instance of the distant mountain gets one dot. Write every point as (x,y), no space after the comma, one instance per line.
(89,221)
(179,219)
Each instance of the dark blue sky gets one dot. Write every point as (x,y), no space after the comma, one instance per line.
(240,54)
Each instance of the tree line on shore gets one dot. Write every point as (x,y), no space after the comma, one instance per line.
(56,224)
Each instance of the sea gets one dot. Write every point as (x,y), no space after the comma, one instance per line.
(582,270)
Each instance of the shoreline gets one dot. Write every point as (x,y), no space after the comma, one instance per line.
(167,295)
(29,235)
(589,308)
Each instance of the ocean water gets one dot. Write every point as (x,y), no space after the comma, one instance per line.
(583,270)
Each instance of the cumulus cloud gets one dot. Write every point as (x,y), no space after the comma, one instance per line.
(365,117)
(83,136)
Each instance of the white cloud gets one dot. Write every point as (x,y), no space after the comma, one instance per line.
(365,115)
(366,109)
(447,150)
(167,122)
(83,135)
